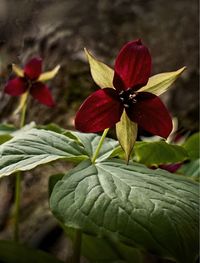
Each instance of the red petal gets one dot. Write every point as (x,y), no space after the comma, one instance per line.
(15,87)
(132,66)
(151,114)
(118,83)
(41,93)
(33,68)
(101,110)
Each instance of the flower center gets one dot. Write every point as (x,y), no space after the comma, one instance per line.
(128,97)
(29,82)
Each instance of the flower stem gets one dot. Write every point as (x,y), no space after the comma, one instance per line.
(17,206)
(77,247)
(23,115)
(18,181)
(99,145)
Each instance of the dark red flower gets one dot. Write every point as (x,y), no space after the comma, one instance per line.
(30,80)
(103,108)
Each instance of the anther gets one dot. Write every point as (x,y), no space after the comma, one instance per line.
(128,97)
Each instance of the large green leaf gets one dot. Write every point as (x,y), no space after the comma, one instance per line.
(97,249)
(11,252)
(192,146)
(152,210)
(155,153)
(34,147)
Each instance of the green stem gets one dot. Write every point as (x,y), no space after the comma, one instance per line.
(99,145)
(18,181)
(17,206)
(77,247)
(23,113)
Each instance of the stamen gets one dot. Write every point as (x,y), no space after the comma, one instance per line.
(132,96)
(128,97)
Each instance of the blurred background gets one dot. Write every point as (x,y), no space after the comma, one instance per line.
(58,31)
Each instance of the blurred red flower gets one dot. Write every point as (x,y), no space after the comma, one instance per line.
(172,168)
(103,108)
(30,80)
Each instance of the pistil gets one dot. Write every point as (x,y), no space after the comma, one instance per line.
(128,97)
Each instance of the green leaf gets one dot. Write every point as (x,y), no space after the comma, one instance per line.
(155,153)
(6,129)
(52,127)
(126,133)
(5,138)
(90,142)
(11,252)
(191,169)
(160,83)
(192,146)
(25,128)
(153,210)
(5,132)
(101,73)
(35,147)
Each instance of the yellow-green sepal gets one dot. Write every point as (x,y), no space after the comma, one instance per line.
(126,131)
(101,73)
(49,74)
(160,83)
(18,71)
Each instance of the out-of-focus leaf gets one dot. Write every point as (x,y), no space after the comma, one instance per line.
(5,138)
(101,73)
(192,146)
(11,252)
(6,129)
(191,169)
(5,132)
(155,153)
(131,204)
(126,131)
(160,83)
